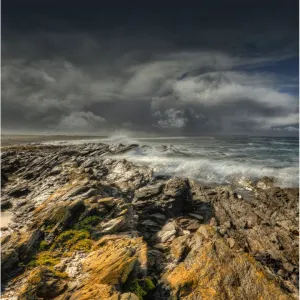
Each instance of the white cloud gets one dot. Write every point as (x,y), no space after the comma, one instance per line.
(168,84)
(287,129)
(172,118)
(291,129)
(215,88)
(81,121)
(274,121)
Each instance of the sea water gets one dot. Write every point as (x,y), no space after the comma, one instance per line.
(221,159)
(218,160)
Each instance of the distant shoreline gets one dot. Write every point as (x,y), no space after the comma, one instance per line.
(10,139)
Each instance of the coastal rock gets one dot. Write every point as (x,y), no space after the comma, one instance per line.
(6,204)
(257,227)
(88,225)
(167,232)
(43,284)
(216,272)
(265,183)
(55,171)
(114,225)
(108,267)
(179,247)
(15,249)
(19,191)
(175,187)
(4,178)
(149,191)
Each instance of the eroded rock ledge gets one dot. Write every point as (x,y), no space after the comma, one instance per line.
(88,226)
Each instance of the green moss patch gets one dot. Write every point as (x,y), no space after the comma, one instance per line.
(141,287)
(69,238)
(88,223)
(149,285)
(43,246)
(83,245)
(45,258)
(137,289)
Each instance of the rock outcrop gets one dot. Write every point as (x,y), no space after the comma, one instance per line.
(89,226)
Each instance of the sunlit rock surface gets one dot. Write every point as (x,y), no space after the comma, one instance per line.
(86,225)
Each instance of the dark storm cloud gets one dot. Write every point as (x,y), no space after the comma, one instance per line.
(163,68)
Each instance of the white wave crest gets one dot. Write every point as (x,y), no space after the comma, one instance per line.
(210,170)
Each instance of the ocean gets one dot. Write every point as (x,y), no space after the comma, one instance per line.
(220,160)
(216,160)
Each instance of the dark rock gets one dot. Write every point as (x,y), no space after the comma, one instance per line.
(4,178)
(5,205)
(175,187)
(149,191)
(17,248)
(19,191)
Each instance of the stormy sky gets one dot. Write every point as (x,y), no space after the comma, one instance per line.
(150,67)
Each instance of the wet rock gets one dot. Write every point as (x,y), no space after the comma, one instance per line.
(265,183)
(125,176)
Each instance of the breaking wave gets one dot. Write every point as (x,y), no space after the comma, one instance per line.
(211,159)
(217,165)
(215,171)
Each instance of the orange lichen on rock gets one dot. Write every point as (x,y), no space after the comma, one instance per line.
(43,283)
(107,268)
(61,191)
(214,271)
(96,291)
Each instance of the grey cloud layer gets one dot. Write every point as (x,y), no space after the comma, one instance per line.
(147,85)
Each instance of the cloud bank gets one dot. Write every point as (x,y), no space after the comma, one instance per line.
(198,81)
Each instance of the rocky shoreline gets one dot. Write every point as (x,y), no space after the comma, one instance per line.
(88,226)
